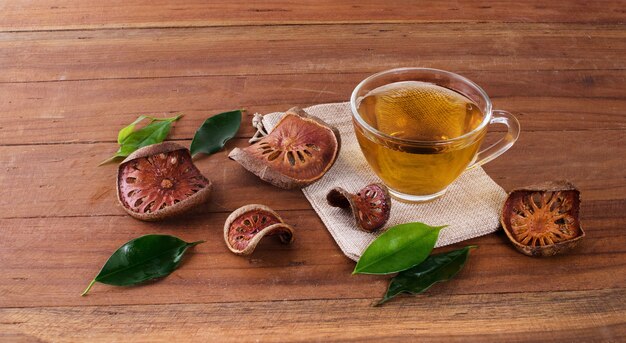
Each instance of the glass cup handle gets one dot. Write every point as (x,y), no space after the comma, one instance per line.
(499,147)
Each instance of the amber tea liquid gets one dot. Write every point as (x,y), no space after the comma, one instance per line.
(420,111)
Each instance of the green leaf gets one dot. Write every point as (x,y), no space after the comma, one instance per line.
(436,268)
(215,132)
(142,259)
(125,132)
(401,247)
(130,139)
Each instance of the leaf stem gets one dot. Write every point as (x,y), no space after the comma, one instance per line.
(380,302)
(88,287)
(171,120)
(109,160)
(177,117)
(195,243)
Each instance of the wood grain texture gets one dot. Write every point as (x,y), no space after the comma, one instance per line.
(74,73)
(510,317)
(302,50)
(52,112)
(66,14)
(66,181)
(312,268)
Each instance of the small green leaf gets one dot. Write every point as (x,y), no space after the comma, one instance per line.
(215,132)
(400,247)
(125,132)
(130,139)
(436,268)
(142,259)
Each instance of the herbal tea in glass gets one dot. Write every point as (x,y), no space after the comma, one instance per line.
(418,111)
(420,128)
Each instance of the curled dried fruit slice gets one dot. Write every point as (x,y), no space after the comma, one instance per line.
(371,206)
(160,181)
(247,225)
(298,152)
(542,220)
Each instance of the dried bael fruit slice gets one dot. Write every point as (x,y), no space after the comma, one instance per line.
(371,206)
(247,225)
(160,181)
(542,220)
(298,152)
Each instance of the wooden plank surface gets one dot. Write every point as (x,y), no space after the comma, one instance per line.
(311,268)
(67,14)
(506,317)
(51,111)
(81,197)
(302,50)
(73,74)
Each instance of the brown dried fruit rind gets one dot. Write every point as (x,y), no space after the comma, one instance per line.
(160,181)
(371,206)
(542,220)
(246,226)
(298,151)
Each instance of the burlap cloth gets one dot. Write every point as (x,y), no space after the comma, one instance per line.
(470,207)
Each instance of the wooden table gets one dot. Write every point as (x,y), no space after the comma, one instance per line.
(74,72)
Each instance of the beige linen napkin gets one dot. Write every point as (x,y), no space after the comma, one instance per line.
(470,207)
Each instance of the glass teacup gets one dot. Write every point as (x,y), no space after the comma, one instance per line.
(420,128)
